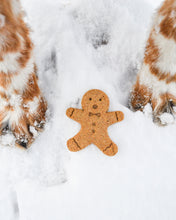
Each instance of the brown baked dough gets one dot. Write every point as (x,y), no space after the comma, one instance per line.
(94,120)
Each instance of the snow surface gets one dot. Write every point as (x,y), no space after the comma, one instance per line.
(48,182)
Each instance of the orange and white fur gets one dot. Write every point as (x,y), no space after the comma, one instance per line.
(21,103)
(156,80)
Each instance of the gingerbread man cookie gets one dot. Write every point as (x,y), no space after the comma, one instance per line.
(94,120)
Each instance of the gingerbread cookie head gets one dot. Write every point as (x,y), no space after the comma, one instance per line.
(95,101)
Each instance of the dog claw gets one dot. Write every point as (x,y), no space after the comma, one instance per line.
(22,144)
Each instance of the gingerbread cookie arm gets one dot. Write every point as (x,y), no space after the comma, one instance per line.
(114,117)
(75,114)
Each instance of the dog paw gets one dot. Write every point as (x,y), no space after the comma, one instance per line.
(163,103)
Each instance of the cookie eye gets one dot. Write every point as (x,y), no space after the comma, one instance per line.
(100,100)
(90,99)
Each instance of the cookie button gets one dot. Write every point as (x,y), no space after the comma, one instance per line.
(93,124)
(93,131)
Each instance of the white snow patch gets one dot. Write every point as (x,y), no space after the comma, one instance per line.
(148,110)
(166,118)
(33,105)
(2,20)
(33,131)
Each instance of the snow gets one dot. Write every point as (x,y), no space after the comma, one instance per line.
(166,118)
(49,182)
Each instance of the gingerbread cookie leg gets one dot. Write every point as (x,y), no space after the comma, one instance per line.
(78,142)
(107,146)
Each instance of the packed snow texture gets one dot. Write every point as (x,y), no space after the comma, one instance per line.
(82,45)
